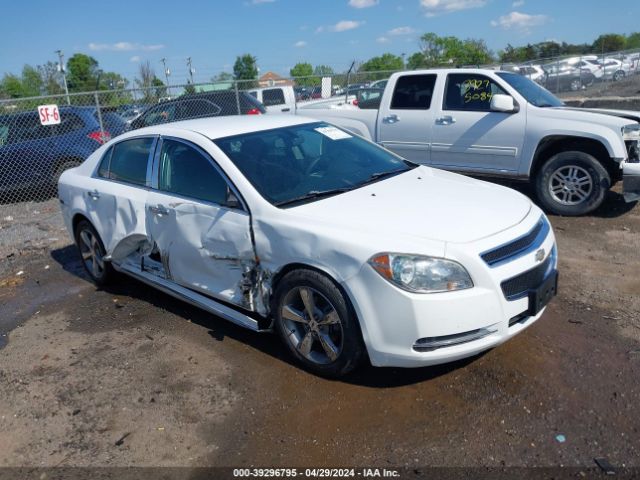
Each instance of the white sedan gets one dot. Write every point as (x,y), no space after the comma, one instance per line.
(348,251)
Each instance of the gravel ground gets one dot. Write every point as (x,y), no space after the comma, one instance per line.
(127,376)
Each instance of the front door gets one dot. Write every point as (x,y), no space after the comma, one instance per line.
(404,121)
(203,244)
(468,136)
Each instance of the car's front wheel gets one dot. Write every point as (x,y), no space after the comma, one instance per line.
(317,324)
(572,183)
(92,252)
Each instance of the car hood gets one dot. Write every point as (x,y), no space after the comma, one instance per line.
(425,203)
(626,114)
(583,115)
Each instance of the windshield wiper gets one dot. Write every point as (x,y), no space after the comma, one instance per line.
(377,176)
(313,194)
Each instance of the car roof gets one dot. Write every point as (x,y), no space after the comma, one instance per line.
(226,126)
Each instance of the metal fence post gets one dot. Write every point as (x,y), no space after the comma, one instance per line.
(95,95)
(237,97)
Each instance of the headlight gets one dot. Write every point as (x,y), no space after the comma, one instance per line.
(421,274)
(631,131)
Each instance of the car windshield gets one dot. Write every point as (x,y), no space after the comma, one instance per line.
(531,91)
(302,163)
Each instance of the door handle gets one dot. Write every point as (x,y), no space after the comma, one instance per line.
(286,110)
(94,194)
(391,119)
(159,210)
(446,120)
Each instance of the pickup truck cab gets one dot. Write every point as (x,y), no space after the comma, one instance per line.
(280,99)
(501,124)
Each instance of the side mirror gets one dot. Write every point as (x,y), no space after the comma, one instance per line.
(232,201)
(503,103)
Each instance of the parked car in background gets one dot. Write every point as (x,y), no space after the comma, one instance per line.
(198,105)
(347,251)
(280,99)
(379,83)
(533,72)
(501,124)
(614,69)
(562,77)
(587,62)
(33,156)
(368,98)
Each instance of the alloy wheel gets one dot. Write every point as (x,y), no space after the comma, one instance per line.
(92,254)
(312,325)
(570,185)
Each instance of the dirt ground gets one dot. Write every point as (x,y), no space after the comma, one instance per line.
(131,377)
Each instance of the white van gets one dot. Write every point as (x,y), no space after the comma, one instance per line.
(280,99)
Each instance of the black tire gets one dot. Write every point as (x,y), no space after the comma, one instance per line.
(104,273)
(582,192)
(351,351)
(619,75)
(575,85)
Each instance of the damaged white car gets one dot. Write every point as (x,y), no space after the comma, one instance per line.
(348,251)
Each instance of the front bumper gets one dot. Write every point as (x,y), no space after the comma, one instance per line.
(631,181)
(396,324)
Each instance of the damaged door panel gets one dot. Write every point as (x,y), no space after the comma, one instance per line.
(200,243)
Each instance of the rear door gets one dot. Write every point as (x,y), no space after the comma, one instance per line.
(204,244)
(116,195)
(405,117)
(468,136)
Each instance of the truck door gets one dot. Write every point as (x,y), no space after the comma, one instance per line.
(405,118)
(468,136)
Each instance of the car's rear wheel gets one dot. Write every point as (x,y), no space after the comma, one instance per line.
(92,253)
(575,85)
(572,183)
(619,75)
(317,324)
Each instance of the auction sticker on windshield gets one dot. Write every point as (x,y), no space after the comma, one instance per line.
(333,133)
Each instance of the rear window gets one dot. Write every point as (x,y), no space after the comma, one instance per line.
(129,161)
(413,92)
(274,96)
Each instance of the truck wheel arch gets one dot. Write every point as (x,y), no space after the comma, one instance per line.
(554,144)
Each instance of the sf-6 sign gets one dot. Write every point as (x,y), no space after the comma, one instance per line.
(49,114)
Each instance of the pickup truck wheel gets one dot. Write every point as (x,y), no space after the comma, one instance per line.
(316,324)
(572,183)
(92,252)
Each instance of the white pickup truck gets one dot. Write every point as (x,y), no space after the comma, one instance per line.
(501,124)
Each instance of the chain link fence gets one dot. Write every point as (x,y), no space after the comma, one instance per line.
(40,137)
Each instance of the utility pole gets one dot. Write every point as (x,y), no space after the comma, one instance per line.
(64,74)
(167,72)
(191,69)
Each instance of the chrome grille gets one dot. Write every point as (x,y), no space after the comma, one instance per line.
(519,246)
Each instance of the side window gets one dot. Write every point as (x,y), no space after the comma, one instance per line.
(30,128)
(275,96)
(185,171)
(471,92)
(103,169)
(413,92)
(196,109)
(129,161)
(160,114)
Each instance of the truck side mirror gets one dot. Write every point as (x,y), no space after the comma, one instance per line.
(503,103)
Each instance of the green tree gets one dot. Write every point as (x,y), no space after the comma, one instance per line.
(416,61)
(82,73)
(50,78)
(385,63)
(11,86)
(246,68)
(609,42)
(223,77)
(632,40)
(453,51)
(32,85)
(323,71)
(303,73)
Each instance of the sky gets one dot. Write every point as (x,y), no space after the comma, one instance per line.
(280,33)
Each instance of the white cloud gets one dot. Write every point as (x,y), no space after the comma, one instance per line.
(441,7)
(344,25)
(519,21)
(124,47)
(362,3)
(135,59)
(401,31)
(517,3)
(320,29)
(382,40)
(300,44)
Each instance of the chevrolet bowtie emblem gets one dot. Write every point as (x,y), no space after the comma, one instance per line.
(540,255)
